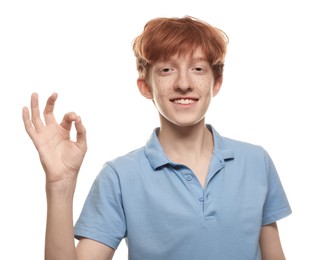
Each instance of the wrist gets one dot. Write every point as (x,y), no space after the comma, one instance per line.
(61,190)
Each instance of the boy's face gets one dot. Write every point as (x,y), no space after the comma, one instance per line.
(181,88)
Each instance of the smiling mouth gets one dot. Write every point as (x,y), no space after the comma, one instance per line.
(184,101)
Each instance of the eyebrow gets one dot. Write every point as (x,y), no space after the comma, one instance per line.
(200,58)
(193,58)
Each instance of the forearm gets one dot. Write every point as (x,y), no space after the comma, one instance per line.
(270,243)
(59,240)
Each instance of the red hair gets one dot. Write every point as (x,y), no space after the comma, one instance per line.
(165,37)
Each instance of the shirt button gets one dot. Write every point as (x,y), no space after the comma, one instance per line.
(188,177)
(201,199)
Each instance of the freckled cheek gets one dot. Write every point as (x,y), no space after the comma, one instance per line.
(163,87)
(202,84)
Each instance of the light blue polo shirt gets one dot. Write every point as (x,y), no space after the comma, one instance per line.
(164,213)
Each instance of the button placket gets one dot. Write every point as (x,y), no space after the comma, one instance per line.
(193,185)
(201,199)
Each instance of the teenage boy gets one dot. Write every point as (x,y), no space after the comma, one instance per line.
(189,193)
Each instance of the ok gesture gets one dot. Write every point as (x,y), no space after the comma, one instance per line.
(61,157)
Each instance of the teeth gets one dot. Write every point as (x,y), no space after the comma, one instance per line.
(184,101)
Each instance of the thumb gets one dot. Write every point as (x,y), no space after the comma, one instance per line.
(81,134)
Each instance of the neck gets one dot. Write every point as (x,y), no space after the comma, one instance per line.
(184,144)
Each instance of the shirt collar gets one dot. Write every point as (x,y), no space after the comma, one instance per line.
(154,151)
(221,147)
(157,157)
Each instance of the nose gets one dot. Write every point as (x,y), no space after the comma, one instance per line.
(183,82)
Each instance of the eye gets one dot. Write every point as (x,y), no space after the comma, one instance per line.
(198,69)
(165,70)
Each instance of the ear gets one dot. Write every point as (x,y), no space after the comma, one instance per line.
(144,88)
(217,86)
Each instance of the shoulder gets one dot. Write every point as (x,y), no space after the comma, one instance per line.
(243,155)
(128,172)
(243,146)
(236,147)
(125,163)
(242,149)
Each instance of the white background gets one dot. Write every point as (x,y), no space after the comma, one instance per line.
(82,50)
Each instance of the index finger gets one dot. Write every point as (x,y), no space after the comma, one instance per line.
(35,112)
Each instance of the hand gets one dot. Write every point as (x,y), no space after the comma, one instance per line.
(61,157)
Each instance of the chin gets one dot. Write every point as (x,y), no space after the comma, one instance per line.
(182,121)
(187,123)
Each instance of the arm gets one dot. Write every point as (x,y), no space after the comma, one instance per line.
(61,159)
(270,244)
(90,249)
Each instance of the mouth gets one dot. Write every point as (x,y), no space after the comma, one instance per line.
(184,101)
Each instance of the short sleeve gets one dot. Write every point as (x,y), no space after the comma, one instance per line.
(102,217)
(276,205)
